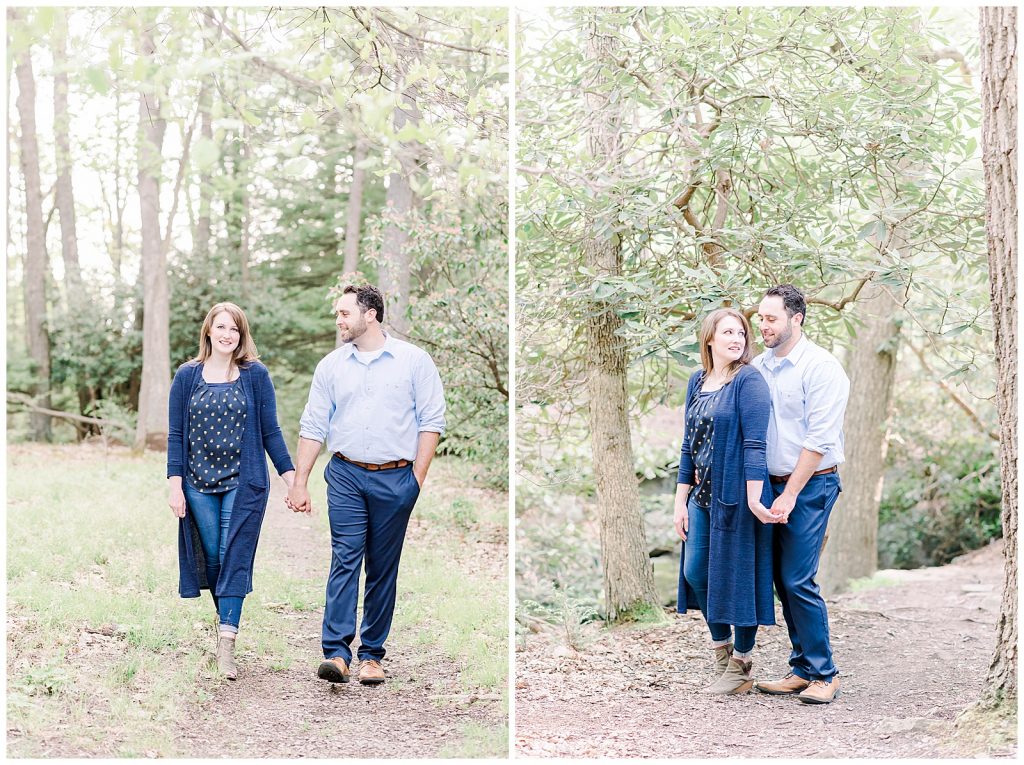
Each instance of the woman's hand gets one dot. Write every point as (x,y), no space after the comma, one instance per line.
(289,479)
(681,516)
(763,514)
(177,501)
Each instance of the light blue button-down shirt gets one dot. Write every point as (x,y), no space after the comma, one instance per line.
(373,411)
(809,392)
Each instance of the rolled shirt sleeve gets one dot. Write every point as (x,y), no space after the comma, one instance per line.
(825,406)
(316,417)
(429,396)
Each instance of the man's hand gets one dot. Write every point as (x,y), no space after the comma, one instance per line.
(783,506)
(298,499)
(420,476)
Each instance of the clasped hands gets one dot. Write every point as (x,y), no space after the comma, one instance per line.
(777,513)
(298,500)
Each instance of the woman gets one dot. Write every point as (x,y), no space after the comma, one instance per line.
(223,416)
(726,567)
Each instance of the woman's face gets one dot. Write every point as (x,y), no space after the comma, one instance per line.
(729,340)
(224,334)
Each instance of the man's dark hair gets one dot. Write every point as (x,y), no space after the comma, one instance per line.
(792,299)
(367,297)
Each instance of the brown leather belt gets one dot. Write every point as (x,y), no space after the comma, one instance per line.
(371,466)
(784,478)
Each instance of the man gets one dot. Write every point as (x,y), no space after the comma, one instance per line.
(809,391)
(378,403)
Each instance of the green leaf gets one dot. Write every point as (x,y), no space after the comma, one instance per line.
(97,79)
(205,153)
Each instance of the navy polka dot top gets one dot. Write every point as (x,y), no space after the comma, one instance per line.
(702,423)
(216,424)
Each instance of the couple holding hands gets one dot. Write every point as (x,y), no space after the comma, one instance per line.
(758,477)
(376,401)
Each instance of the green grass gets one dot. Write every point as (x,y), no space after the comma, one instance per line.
(874,582)
(92,574)
(476,740)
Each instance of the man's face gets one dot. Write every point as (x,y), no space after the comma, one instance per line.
(776,326)
(349,318)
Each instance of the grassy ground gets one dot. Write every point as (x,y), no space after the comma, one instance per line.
(102,654)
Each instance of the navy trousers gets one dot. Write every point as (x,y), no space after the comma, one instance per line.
(369,512)
(797,550)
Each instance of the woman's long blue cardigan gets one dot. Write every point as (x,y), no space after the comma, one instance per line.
(261,433)
(740,555)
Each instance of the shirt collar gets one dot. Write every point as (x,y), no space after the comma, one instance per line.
(794,356)
(389,347)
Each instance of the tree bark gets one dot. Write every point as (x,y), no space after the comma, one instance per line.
(998,27)
(396,263)
(203,225)
(354,216)
(35,255)
(156,354)
(626,566)
(852,548)
(64,190)
(244,254)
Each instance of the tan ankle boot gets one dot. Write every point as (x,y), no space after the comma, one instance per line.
(226,658)
(722,654)
(735,679)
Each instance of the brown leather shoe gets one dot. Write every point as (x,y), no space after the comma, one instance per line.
(821,691)
(371,672)
(333,670)
(788,685)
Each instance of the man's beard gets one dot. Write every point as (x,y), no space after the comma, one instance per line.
(780,339)
(355,332)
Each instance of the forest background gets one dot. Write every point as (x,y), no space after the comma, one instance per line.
(674,160)
(180,157)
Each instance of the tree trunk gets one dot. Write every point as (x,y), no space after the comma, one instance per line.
(354,216)
(35,255)
(999,152)
(156,354)
(244,254)
(64,190)
(395,260)
(852,548)
(628,573)
(203,226)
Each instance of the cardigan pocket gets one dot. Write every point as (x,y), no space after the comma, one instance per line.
(723,515)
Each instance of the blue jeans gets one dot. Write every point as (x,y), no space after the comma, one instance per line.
(695,569)
(369,511)
(211,514)
(797,548)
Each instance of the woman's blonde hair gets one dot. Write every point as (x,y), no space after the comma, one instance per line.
(246,350)
(707,331)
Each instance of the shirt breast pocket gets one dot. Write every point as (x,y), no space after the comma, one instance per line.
(791,405)
(398,391)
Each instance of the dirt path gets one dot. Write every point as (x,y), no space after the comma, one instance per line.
(291,713)
(912,655)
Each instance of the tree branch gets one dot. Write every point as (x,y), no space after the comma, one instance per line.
(411,36)
(957,398)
